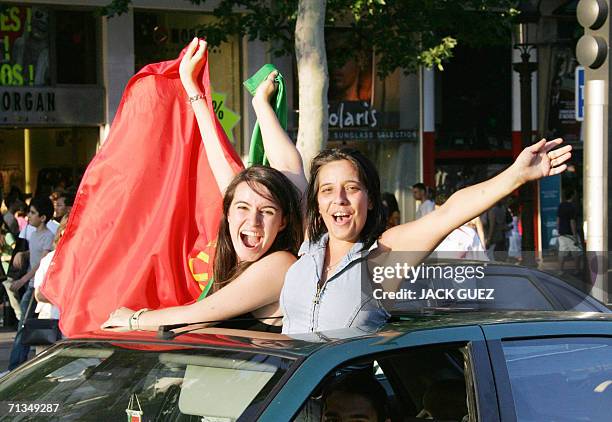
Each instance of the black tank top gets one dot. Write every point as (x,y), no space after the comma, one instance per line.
(249,322)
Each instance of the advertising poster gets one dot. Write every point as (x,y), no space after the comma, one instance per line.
(24,41)
(562,103)
(550,198)
(350,67)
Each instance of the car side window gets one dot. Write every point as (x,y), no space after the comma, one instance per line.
(569,298)
(560,379)
(418,384)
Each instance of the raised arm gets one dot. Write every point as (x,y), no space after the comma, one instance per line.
(534,162)
(258,286)
(190,67)
(280,150)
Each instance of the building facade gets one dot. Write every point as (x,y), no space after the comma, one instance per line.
(472,112)
(64,69)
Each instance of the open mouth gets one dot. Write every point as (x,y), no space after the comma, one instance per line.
(250,239)
(341,217)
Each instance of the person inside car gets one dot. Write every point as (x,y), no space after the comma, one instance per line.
(354,397)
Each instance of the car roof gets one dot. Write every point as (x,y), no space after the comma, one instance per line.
(302,345)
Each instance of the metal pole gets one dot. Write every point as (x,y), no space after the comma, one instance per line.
(525,68)
(595,185)
(421,119)
(26,159)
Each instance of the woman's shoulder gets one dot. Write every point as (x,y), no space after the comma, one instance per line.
(275,259)
(270,267)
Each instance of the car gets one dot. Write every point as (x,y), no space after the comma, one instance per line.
(457,365)
(491,286)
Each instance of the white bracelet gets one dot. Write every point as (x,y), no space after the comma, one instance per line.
(134,319)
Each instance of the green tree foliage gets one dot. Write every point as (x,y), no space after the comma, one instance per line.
(403,33)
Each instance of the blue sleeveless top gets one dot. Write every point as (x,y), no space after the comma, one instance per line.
(344,300)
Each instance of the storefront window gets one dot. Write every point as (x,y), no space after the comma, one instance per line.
(58,157)
(473,100)
(160,36)
(75,47)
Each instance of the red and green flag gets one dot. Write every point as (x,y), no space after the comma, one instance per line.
(143,227)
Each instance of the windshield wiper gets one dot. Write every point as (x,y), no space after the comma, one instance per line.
(165,332)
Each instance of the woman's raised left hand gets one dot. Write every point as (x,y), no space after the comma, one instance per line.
(266,89)
(119,318)
(542,159)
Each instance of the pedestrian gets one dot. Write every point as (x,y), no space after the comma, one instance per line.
(463,242)
(569,240)
(44,309)
(392,211)
(63,204)
(514,239)
(496,231)
(39,244)
(9,218)
(420,193)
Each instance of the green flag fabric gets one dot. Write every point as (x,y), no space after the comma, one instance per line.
(257,155)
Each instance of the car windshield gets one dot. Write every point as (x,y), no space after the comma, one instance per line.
(105,382)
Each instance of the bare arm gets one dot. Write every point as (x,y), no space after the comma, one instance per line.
(491,226)
(20,258)
(480,231)
(534,162)
(39,296)
(280,150)
(190,67)
(258,286)
(28,276)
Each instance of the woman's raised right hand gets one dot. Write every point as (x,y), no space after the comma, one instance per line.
(191,65)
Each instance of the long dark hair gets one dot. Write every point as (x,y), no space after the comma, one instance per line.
(284,194)
(368,175)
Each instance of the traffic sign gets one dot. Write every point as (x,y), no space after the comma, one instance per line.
(579,96)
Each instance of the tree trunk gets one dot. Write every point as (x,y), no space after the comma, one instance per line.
(313,79)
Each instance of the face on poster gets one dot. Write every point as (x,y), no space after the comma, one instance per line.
(350,67)
(24,40)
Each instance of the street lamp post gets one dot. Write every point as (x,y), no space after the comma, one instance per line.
(529,14)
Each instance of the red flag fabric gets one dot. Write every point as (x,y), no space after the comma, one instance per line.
(147,211)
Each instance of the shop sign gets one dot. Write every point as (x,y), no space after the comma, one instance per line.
(579,93)
(373,135)
(227,117)
(347,114)
(51,106)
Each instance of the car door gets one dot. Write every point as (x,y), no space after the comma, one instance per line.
(552,371)
(413,369)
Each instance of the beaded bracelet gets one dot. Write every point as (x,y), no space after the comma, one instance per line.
(196,98)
